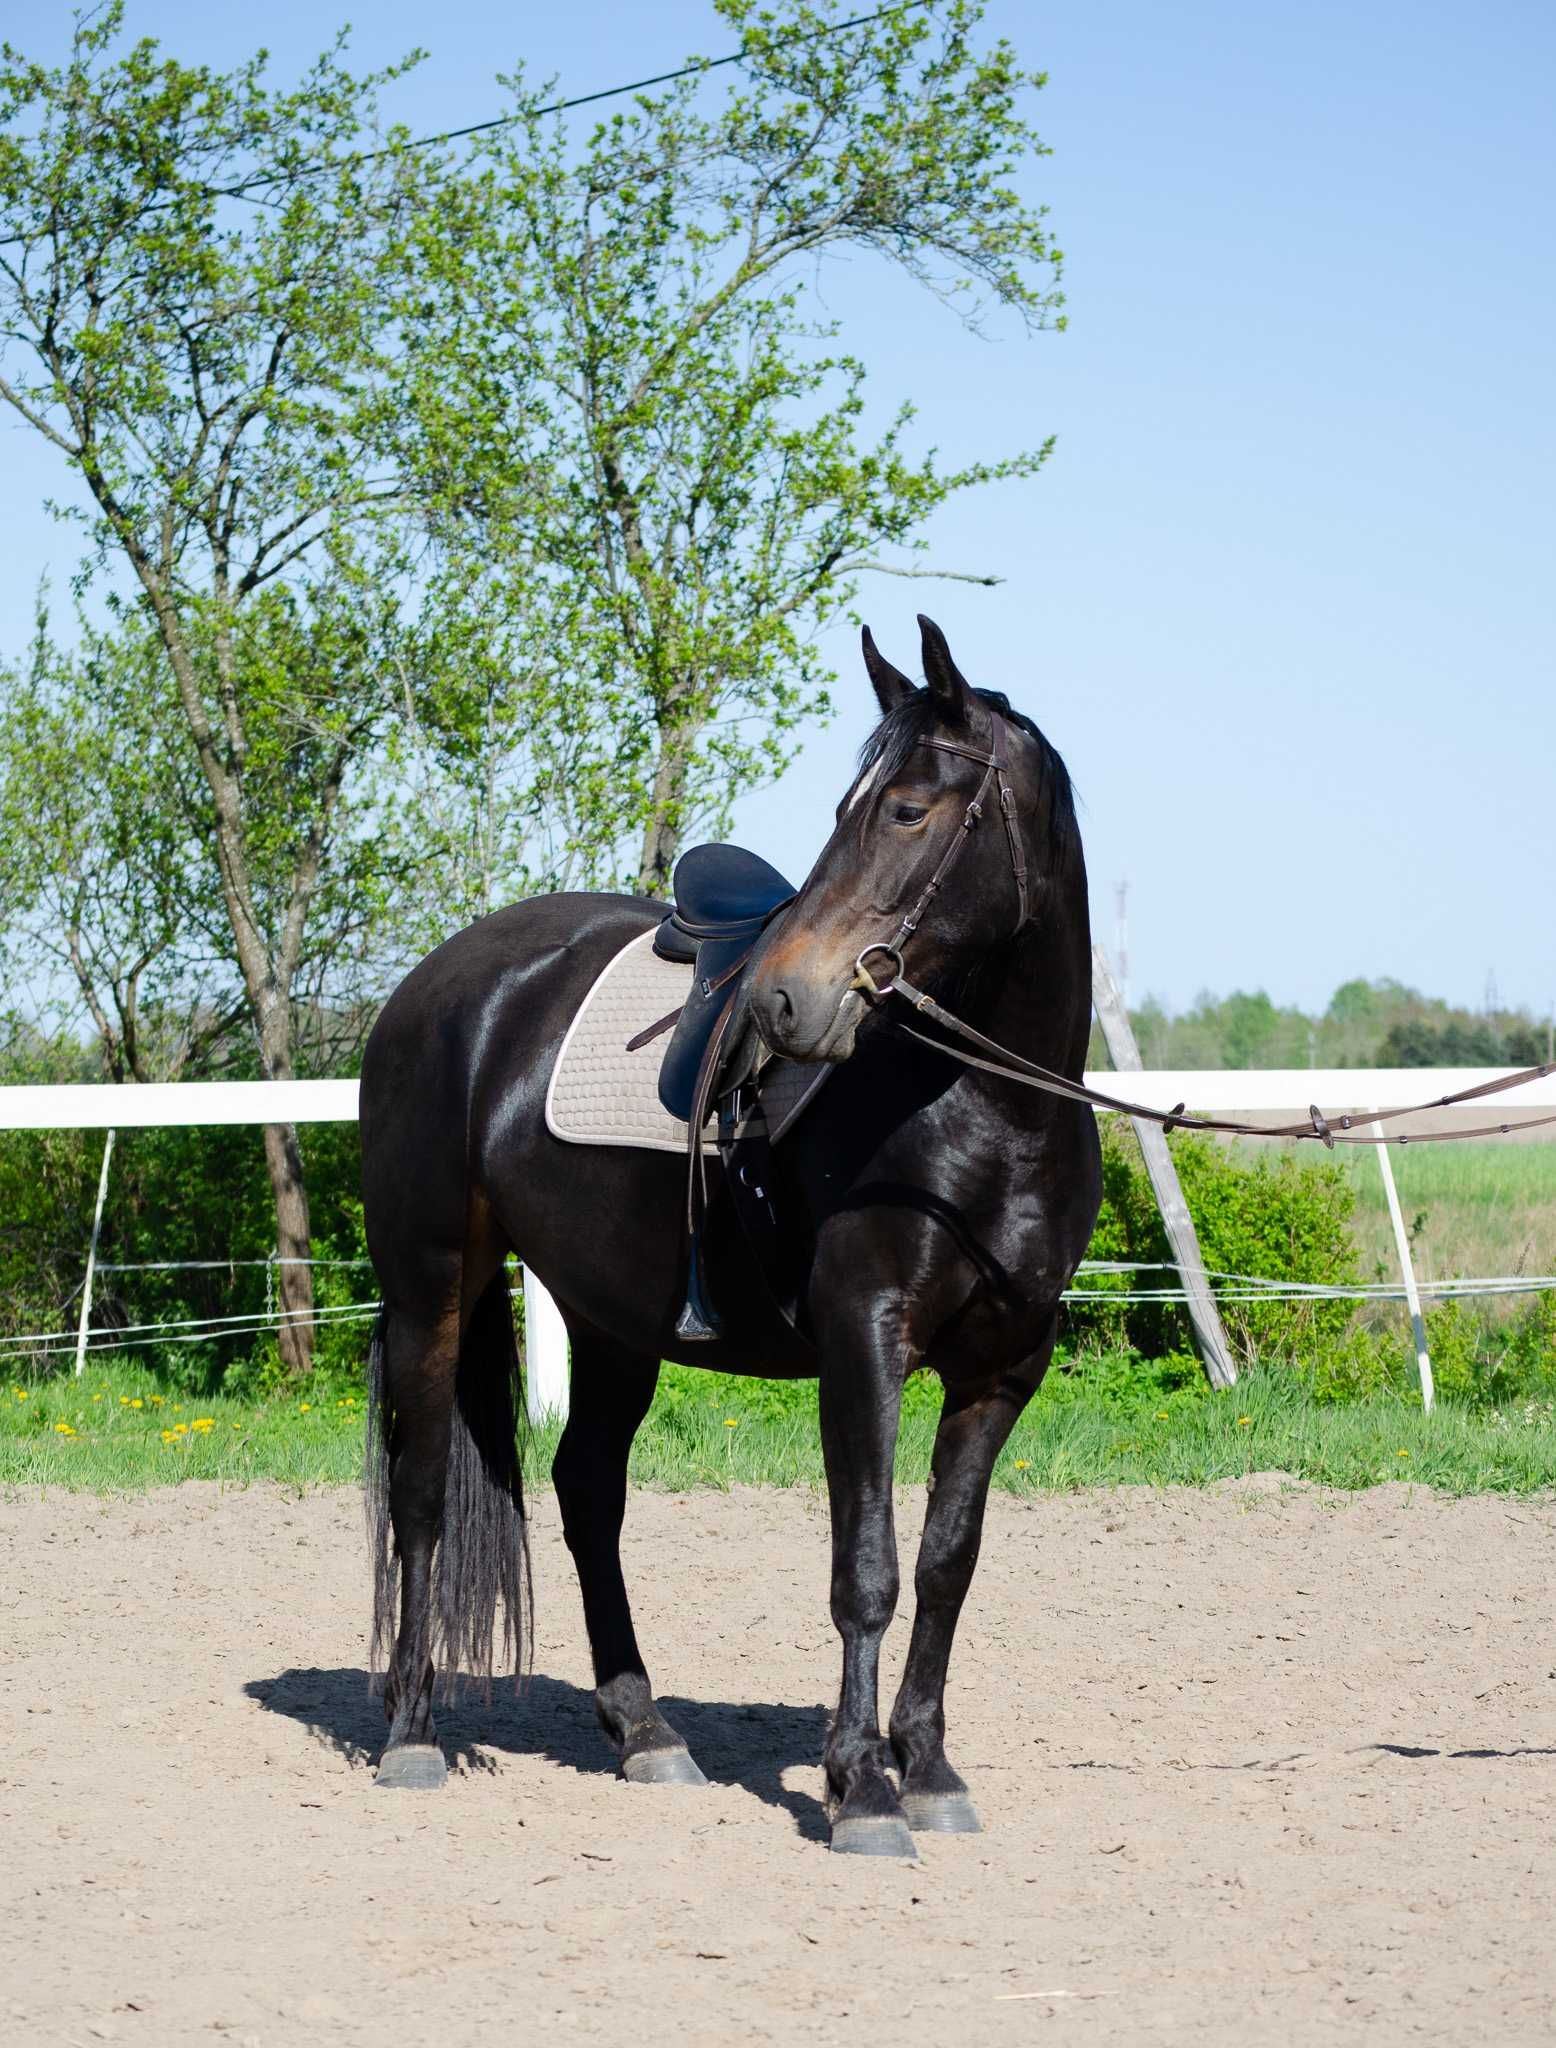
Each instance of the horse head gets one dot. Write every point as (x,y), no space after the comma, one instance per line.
(958,821)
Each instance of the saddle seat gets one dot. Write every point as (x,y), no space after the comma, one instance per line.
(724,898)
(721,892)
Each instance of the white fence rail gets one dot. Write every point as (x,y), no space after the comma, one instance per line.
(1275,1091)
(1265,1091)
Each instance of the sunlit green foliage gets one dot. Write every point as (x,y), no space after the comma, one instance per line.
(626,397)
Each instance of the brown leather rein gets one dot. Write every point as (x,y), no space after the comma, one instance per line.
(993,1058)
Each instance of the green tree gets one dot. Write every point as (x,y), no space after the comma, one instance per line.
(498,774)
(624,394)
(100,858)
(215,372)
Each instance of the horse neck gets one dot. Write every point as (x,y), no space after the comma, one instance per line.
(1037,999)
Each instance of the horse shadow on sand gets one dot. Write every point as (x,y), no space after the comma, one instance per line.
(735,1742)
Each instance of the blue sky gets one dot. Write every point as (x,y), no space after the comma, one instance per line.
(1283,597)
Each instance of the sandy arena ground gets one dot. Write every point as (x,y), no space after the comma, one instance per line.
(1261,1765)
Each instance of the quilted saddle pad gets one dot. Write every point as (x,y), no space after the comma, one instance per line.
(601,1094)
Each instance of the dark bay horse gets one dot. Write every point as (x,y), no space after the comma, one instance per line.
(942,1212)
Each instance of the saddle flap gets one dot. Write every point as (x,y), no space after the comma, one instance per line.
(703,1006)
(720,888)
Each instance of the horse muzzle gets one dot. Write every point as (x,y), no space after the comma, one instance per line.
(809,1025)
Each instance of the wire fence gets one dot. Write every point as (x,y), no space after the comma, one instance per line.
(1227,1287)
(110,1108)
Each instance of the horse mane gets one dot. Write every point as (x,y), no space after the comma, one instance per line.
(915,718)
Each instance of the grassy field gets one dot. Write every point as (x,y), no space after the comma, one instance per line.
(118,1431)
(1472,1209)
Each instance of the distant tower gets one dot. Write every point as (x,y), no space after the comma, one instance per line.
(1492,999)
(1121,944)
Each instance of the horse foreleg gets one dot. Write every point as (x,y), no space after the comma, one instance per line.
(860,1406)
(611,1393)
(973,1430)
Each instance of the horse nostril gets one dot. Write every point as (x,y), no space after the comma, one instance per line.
(785,1004)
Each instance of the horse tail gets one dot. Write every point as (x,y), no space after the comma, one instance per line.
(483,1552)
(482,1560)
(375,1497)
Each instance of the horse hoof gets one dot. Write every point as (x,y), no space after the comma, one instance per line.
(413,1767)
(872,1835)
(662,1767)
(941,1813)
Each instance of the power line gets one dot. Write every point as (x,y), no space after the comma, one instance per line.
(611,92)
(587,99)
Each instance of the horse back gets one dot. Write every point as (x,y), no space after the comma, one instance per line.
(463,1049)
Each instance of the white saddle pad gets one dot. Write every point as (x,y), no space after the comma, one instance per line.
(601,1094)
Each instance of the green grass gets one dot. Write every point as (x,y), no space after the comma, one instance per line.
(1112,1423)
(1473,1208)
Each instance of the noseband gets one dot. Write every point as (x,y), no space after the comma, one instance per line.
(995,773)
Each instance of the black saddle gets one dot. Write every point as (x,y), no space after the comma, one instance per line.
(724,897)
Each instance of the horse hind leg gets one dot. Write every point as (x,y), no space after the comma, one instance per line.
(611,1393)
(411,1404)
(443,1475)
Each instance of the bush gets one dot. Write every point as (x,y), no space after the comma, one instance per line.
(1277,1217)
(1527,1366)
(1484,1361)
(175,1195)
(1358,1366)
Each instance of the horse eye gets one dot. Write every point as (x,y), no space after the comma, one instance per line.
(908,814)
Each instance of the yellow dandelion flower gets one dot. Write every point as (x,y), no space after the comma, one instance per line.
(21,1393)
(1243,1421)
(97,1397)
(124,1400)
(137,1402)
(204,1422)
(351,1400)
(63,1429)
(237,1425)
(1402,1454)
(156,1400)
(167,1436)
(1021,1464)
(178,1407)
(1161,1414)
(180,1429)
(732,1422)
(303,1407)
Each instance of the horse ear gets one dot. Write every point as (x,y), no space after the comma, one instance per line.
(941,673)
(890,684)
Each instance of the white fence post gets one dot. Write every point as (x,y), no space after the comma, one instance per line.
(1408,1272)
(85,1323)
(545,1354)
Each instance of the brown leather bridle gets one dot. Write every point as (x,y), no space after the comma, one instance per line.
(999,1060)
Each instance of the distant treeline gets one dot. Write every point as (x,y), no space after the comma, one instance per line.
(1366,1024)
